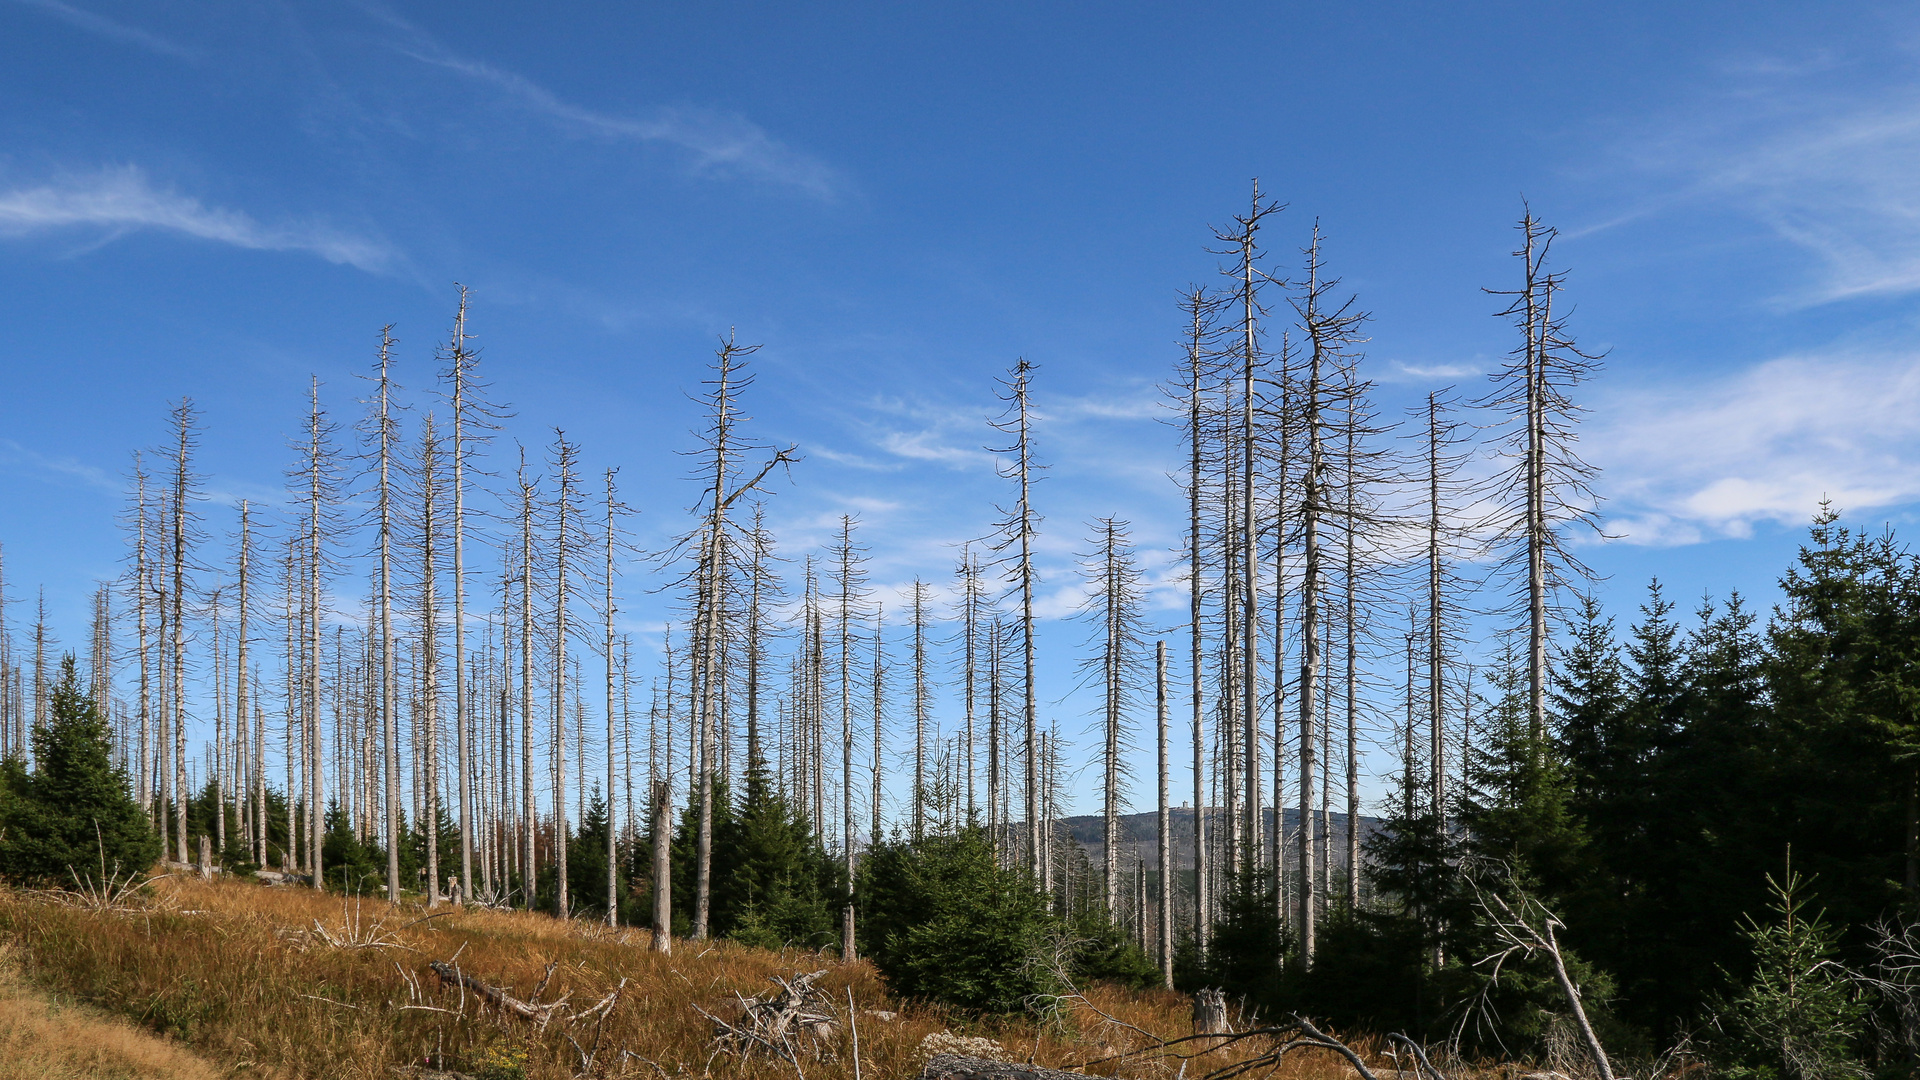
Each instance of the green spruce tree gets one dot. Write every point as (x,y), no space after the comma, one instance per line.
(73,816)
(1798,1017)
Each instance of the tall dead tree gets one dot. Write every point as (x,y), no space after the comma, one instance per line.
(385,437)
(1164,837)
(1243,243)
(725,483)
(1332,331)
(529,823)
(1440,462)
(920,712)
(472,416)
(850,576)
(877,690)
(567,539)
(614,508)
(1201,309)
(1548,486)
(973,600)
(243,567)
(1019,526)
(1113,601)
(142,598)
(316,475)
(183,491)
(432,492)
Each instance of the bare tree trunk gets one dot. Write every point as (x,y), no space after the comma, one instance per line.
(1250,591)
(1022,523)
(1350,583)
(849,581)
(461,363)
(388,675)
(1436,675)
(565,495)
(970,638)
(244,556)
(879,725)
(318,458)
(700,678)
(142,589)
(1165,832)
(430,652)
(662,867)
(1199,308)
(919,710)
(613,859)
(529,870)
(182,495)
(1110,758)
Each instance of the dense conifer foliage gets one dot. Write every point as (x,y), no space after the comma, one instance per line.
(1720,810)
(71,817)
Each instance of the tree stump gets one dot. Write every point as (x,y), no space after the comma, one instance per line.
(206,859)
(1210,1012)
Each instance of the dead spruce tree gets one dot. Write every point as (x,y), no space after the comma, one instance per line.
(1546,487)
(529,493)
(316,480)
(142,587)
(566,544)
(1332,331)
(921,714)
(429,494)
(382,429)
(849,573)
(472,417)
(1018,528)
(611,537)
(1242,526)
(183,490)
(726,482)
(1202,310)
(1113,603)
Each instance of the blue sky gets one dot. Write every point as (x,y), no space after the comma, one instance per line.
(224,200)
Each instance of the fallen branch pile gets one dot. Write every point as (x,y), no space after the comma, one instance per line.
(800,1016)
(1293,1034)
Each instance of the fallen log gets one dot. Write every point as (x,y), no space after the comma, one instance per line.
(500,999)
(961,1067)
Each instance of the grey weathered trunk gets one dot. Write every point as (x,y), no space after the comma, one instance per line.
(662,866)
(389,690)
(1164,855)
(613,831)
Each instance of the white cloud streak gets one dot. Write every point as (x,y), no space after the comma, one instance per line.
(1688,463)
(104,27)
(717,142)
(1832,168)
(121,200)
(18,458)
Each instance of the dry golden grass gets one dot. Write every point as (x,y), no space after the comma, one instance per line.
(43,1039)
(287,982)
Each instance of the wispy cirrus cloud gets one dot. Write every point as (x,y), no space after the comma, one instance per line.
(104,27)
(1824,160)
(1766,445)
(121,200)
(715,141)
(65,470)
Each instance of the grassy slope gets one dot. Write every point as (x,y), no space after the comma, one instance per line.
(237,972)
(43,1038)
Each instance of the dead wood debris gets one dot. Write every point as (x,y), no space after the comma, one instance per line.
(794,1021)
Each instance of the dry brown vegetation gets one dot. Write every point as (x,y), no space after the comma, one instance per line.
(44,1038)
(287,982)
